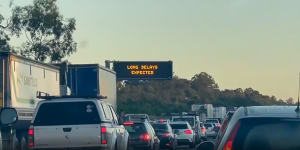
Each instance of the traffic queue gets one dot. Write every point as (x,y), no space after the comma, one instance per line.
(178,131)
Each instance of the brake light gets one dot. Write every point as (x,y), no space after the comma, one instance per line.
(188,132)
(161,120)
(31,137)
(145,137)
(228,145)
(128,123)
(104,142)
(203,130)
(166,134)
(103,135)
(31,132)
(103,129)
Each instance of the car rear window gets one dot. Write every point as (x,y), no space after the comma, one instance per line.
(160,126)
(212,121)
(179,126)
(268,134)
(208,125)
(136,128)
(67,113)
(191,121)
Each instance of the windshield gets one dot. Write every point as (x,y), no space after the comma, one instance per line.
(268,134)
(191,121)
(67,113)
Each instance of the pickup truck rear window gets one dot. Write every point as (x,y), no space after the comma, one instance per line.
(67,113)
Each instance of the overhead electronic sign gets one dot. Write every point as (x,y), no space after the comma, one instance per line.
(143,70)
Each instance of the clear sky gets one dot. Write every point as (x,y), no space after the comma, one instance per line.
(241,43)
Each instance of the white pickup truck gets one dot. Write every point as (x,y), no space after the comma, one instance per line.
(76,123)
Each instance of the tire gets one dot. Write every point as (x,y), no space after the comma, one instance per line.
(192,145)
(15,143)
(116,146)
(23,144)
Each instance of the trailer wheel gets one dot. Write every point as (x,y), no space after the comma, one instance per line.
(23,144)
(15,143)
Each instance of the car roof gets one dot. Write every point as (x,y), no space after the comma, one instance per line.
(209,123)
(184,117)
(268,111)
(160,123)
(164,123)
(136,115)
(59,100)
(137,121)
(179,122)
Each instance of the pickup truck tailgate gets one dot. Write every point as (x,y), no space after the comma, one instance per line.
(67,124)
(67,136)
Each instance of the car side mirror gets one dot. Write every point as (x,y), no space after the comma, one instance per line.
(8,116)
(206,146)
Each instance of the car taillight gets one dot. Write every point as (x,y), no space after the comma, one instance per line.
(203,130)
(188,131)
(129,123)
(103,135)
(31,137)
(145,137)
(166,134)
(228,145)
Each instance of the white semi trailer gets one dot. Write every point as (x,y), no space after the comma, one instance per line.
(20,80)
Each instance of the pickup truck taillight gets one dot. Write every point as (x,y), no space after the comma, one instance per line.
(31,137)
(103,135)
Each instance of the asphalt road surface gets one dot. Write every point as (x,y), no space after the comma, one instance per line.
(187,148)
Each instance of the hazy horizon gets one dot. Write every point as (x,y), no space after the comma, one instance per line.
(241,43)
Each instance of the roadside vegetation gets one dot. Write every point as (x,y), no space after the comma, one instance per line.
(177,95)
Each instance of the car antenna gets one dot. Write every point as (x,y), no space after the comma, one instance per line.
(298,103)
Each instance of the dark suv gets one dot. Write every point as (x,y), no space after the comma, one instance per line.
(141,136)
(261,128)
(165,134)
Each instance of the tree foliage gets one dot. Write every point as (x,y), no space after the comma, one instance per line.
(48,33)
(4,38)
(177,95)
